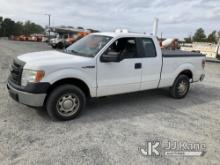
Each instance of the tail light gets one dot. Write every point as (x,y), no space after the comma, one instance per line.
(203,63)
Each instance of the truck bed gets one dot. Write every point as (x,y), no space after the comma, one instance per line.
(175,60)
(180,53)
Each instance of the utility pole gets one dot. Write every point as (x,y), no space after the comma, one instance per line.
(49,15)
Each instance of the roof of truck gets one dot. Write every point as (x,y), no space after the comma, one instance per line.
(121,34)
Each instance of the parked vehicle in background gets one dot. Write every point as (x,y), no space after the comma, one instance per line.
(32,37)
(45,39)
(100,64)
(58,41)
(21,38)
(71,39)
(66,36)
(36,37)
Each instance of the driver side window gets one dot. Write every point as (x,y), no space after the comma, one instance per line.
(125,48)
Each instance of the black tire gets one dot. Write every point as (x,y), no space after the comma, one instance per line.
(65,95)
(60,45)
(54,46)
(180,87)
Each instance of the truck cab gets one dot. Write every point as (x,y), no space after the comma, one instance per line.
(100,64)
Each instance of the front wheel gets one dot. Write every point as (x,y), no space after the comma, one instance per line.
(65,102)
(180,87)
(54,46)
(60,45)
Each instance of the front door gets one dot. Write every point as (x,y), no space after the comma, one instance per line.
(122,76)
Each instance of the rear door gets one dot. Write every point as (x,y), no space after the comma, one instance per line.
(151,63)
(123,76)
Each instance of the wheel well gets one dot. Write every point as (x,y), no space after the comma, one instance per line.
(79,83)
(187,73)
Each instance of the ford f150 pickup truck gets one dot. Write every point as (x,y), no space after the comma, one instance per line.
(100,64)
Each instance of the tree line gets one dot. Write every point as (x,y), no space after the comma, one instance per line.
(8,27)
(200,36)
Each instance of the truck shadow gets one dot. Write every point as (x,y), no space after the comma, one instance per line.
(141,103)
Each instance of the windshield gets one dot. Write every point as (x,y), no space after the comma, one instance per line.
(88,46)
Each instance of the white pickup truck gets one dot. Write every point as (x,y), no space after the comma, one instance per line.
(100,64)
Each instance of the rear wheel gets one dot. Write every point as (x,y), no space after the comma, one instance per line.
(65,102)
(180,87)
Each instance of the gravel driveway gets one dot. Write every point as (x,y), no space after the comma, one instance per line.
(110,130)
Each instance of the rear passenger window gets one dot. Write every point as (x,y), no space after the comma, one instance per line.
(149,47)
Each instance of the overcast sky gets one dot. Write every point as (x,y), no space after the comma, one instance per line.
(176,18)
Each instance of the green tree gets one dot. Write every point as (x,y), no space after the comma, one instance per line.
(7,27)
(1,20)
(199,35)
(30,28)
(188,39)
(212,37)
(18,30)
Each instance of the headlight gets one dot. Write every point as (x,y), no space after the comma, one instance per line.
(31,76)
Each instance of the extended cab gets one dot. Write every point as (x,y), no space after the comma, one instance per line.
(100,64)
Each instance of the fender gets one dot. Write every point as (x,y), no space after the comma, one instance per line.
(169,76)
(183,67)
(90,80)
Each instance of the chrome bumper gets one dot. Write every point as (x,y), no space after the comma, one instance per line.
(31,99)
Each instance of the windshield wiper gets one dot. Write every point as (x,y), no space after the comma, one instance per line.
(75,52)
(80,54)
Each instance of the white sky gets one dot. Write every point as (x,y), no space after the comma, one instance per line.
(177,18)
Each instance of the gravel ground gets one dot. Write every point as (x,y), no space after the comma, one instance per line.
(111,129)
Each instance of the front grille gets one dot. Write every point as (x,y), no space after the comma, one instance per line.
(16,71)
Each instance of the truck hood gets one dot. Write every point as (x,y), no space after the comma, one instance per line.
(52,58)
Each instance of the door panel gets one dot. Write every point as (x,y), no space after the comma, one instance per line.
(123,76)
(151,64)
(120,77)
(150,73)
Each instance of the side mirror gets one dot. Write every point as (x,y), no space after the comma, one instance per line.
(110,57)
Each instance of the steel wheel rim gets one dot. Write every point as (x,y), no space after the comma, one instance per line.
(68,105)
(182,87)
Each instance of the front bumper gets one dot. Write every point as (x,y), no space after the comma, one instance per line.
(31,99)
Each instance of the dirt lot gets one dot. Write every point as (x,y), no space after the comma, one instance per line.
(111,129)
